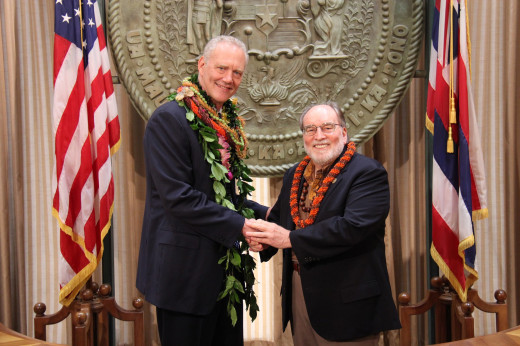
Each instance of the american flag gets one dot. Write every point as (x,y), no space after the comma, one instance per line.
(86,132)
(458,178)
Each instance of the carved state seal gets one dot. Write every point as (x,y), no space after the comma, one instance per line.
(361,54)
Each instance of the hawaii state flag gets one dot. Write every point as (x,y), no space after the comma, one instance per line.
(86,132)
(458,186)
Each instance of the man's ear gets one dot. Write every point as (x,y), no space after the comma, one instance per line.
(201,63)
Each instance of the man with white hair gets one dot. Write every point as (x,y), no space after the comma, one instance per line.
(329,220)
(194,148)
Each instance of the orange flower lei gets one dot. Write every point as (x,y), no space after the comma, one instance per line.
(315,206)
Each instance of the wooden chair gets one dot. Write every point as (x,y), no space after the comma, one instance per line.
(453,318)
(463,323)
(89,316)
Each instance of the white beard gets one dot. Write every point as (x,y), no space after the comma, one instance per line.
(325,158)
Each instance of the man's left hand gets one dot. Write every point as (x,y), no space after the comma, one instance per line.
(268,233)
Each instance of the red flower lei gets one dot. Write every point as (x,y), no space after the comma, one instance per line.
(315,206)
(196,102)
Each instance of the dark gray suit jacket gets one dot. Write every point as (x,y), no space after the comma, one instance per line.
(342,255)
(185,231)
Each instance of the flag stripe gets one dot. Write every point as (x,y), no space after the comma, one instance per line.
(450,240)
(61,49)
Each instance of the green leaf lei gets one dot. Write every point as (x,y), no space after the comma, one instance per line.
(237,262)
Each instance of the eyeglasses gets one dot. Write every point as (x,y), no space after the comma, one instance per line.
(310,130)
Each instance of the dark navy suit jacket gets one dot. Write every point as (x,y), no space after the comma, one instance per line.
(185,231)
(342,255)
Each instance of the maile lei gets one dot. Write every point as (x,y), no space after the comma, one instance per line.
(316,202)
(225,146)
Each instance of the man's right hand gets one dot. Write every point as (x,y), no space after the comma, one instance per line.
(253,245)
(267,233)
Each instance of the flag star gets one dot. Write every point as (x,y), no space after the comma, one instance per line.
(78,12)
(59,2)
(66,18)
(91,22)
(84,44)
(90,3)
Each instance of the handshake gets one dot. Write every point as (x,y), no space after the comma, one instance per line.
(261,234)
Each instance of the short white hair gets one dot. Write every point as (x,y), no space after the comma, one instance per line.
(212,44)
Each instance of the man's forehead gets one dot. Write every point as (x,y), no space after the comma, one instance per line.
(226,48)
(223,58)
(321,112)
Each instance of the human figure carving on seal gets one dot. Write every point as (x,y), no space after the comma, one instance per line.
(204,23)
(328,24)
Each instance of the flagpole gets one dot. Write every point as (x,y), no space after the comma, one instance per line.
(107,275)
(431,267)
(107,261)
(81,22)
(468,38)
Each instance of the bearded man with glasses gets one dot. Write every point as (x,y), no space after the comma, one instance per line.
(329,220)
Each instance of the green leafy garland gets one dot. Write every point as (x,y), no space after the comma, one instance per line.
(213,131)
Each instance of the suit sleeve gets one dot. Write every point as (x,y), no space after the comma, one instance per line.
(259,209)
(180,178)
(351,218)
(280,208)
